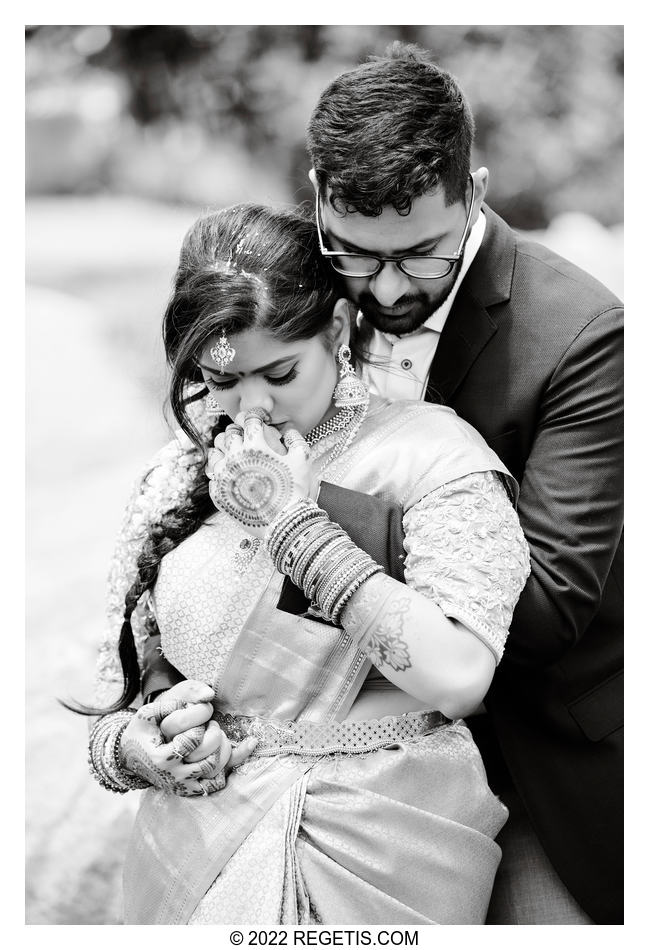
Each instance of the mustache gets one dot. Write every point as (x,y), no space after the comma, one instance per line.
(366,298)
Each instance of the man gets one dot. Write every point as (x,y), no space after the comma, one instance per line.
(527,348)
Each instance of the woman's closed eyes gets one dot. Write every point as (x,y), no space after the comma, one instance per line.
(273,380)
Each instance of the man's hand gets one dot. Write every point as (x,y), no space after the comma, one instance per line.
(169,744)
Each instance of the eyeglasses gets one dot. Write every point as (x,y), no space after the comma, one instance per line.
(422,266)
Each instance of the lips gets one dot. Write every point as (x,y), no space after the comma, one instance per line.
(394,311)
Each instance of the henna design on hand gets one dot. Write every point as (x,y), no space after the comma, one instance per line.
(137,760)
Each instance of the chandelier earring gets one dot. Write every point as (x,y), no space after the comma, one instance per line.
(350,392)
(212,407)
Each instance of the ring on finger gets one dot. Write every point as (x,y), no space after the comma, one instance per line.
(257,413)
(232,432)
(183,744)
(293,437)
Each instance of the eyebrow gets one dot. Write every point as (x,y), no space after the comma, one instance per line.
(260,369)
(403,252)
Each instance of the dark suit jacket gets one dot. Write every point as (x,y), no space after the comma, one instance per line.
(531,355)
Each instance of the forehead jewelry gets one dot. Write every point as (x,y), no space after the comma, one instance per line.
(223,353)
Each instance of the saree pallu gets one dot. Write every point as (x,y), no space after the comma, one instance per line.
(398,835)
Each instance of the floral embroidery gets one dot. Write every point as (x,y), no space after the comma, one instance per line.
(466,551)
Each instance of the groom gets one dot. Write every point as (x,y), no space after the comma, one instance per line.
(528,348)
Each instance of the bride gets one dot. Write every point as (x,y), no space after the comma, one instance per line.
(355,793)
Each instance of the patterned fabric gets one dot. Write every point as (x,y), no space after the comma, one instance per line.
(402,836)
(162,486)
(202,597)
(466,551)
(351,737)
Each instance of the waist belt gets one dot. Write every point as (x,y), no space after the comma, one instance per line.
(352,737)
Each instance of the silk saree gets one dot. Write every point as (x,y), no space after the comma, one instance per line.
(397,829)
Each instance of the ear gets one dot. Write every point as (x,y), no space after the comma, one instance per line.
(481,182)
(341,323)
(313,179)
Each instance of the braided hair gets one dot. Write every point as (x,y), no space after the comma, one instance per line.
(241,268)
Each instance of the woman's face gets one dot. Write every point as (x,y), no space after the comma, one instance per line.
(293,382)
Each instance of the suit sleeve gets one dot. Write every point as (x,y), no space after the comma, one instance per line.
(571,502)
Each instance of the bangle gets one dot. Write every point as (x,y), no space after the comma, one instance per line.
(103,753)
(318,556)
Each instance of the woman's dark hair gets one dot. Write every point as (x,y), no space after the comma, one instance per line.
(389,131)
(243,267)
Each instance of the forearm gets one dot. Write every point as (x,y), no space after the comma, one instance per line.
(417,647)
(404,632)
(373,524)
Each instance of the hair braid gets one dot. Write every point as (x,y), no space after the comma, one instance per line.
(165,534)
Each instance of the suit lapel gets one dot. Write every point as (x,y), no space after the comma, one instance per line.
(470,326)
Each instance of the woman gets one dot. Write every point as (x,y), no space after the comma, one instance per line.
(365,799)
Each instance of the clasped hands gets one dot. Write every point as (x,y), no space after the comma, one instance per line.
(175,745)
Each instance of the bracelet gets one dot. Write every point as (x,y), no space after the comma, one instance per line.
(318,556)
(103,756)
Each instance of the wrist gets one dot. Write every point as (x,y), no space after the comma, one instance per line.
(318,556)
(105,755)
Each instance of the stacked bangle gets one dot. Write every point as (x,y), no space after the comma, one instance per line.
(103,753)
(318,556)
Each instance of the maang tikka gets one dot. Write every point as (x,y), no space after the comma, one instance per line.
(223,353)
(350,391)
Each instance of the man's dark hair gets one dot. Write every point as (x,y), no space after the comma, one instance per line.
(390,130)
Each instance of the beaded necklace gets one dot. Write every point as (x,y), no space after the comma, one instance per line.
(340,421)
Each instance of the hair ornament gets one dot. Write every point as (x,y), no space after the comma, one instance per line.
(223,353)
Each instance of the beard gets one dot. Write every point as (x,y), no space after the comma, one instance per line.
(420,307)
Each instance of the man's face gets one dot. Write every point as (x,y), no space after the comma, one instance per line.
(391,300)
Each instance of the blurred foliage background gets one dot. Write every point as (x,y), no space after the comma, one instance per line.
(217,113)
(130,130)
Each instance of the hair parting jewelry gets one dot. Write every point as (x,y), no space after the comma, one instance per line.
(222,353)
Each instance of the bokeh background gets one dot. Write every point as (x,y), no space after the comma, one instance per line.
(130,132)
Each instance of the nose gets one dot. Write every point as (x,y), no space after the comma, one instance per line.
(254,393)
(389,284)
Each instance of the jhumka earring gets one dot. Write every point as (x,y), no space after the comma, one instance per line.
(223,353)
(350,392)
(212,407)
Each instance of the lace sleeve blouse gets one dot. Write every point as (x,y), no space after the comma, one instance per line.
(466,551)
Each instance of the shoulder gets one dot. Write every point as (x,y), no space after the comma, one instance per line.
(558,278)
(429,445)
(406,418)
(167,477)
(535,282)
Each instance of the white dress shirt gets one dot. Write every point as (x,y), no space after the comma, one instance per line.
(405,361)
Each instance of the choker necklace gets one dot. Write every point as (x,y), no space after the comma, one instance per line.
(340,421)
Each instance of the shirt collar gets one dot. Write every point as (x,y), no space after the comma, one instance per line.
(437,319)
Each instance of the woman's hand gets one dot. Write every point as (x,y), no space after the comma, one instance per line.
(168,744)
(255,473)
